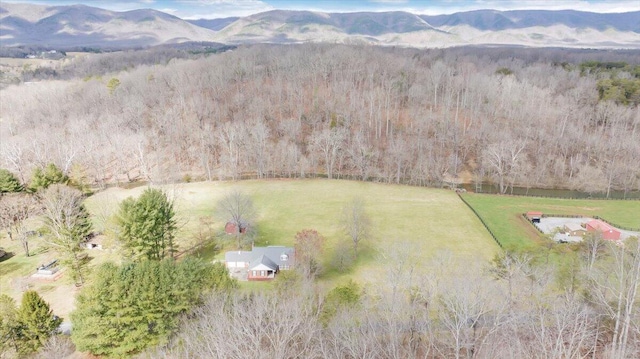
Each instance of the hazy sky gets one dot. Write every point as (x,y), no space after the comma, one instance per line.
(193,9)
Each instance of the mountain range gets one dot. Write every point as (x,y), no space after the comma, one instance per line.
(79,25)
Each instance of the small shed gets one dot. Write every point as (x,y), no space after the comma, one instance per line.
(575,229)
(534,216)
(608,232)
(231,228)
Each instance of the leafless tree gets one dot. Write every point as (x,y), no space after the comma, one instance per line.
(614,287)
(470,309)
(329,142)
(237,208)
(262,325)
(57,346)
(356,223)
(15,209)
(68,225)
(309,246)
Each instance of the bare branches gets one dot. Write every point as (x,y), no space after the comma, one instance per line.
(237,209)
(356,223)
(15,209)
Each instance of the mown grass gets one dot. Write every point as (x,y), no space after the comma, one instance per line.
(432,220)
(503,215)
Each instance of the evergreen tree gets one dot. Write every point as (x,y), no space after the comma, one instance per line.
(9,326)
(341,297)
(9,182)
(137,305)
(37,322)
(148,225)
(42,179)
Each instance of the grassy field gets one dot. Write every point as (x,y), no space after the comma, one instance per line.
(503,215)
(431,222)
(16,269)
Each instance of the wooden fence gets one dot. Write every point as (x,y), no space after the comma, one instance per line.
(481,221)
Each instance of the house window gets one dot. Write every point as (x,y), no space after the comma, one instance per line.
(254,273)
(262,273)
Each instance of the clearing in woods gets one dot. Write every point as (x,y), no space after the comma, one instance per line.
(425,224)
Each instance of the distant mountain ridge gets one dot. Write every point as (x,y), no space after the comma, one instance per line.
(518,19)
(79,25)
(566,28)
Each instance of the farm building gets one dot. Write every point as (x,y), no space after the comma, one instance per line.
(608,232)
(534,216)
(575,229)
(261,263)
(231,228)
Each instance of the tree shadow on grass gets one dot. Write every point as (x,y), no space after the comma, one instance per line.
(6,256)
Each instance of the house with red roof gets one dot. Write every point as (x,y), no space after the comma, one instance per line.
(608,232)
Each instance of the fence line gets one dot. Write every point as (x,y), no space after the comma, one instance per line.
(560,197)
(374,179)
(534,225)
(481,221)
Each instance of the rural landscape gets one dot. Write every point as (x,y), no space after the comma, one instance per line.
(284,181)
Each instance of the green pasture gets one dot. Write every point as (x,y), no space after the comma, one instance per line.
(503,215)
(431,220)
(426,223)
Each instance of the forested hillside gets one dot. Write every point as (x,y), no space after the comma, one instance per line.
(393,115)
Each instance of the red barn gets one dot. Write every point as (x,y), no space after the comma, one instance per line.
(608,232)
(230,228)
(534,216)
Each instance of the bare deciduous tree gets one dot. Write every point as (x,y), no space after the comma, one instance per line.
(68,224)
(356,223)
(309,246)
(15,209)
(237,208)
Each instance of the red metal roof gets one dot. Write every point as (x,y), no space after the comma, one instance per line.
(598,225)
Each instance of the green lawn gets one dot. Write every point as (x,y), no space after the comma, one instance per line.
(428,222)
(432,220)
(503,215)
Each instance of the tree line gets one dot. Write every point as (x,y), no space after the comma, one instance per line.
(393,115)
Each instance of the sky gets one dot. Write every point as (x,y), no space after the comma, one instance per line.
(211,9)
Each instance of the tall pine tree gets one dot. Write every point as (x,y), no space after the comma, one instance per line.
(9,182)
(36,322)
(9,326)
(148,225)
(131,307)
(43,178)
